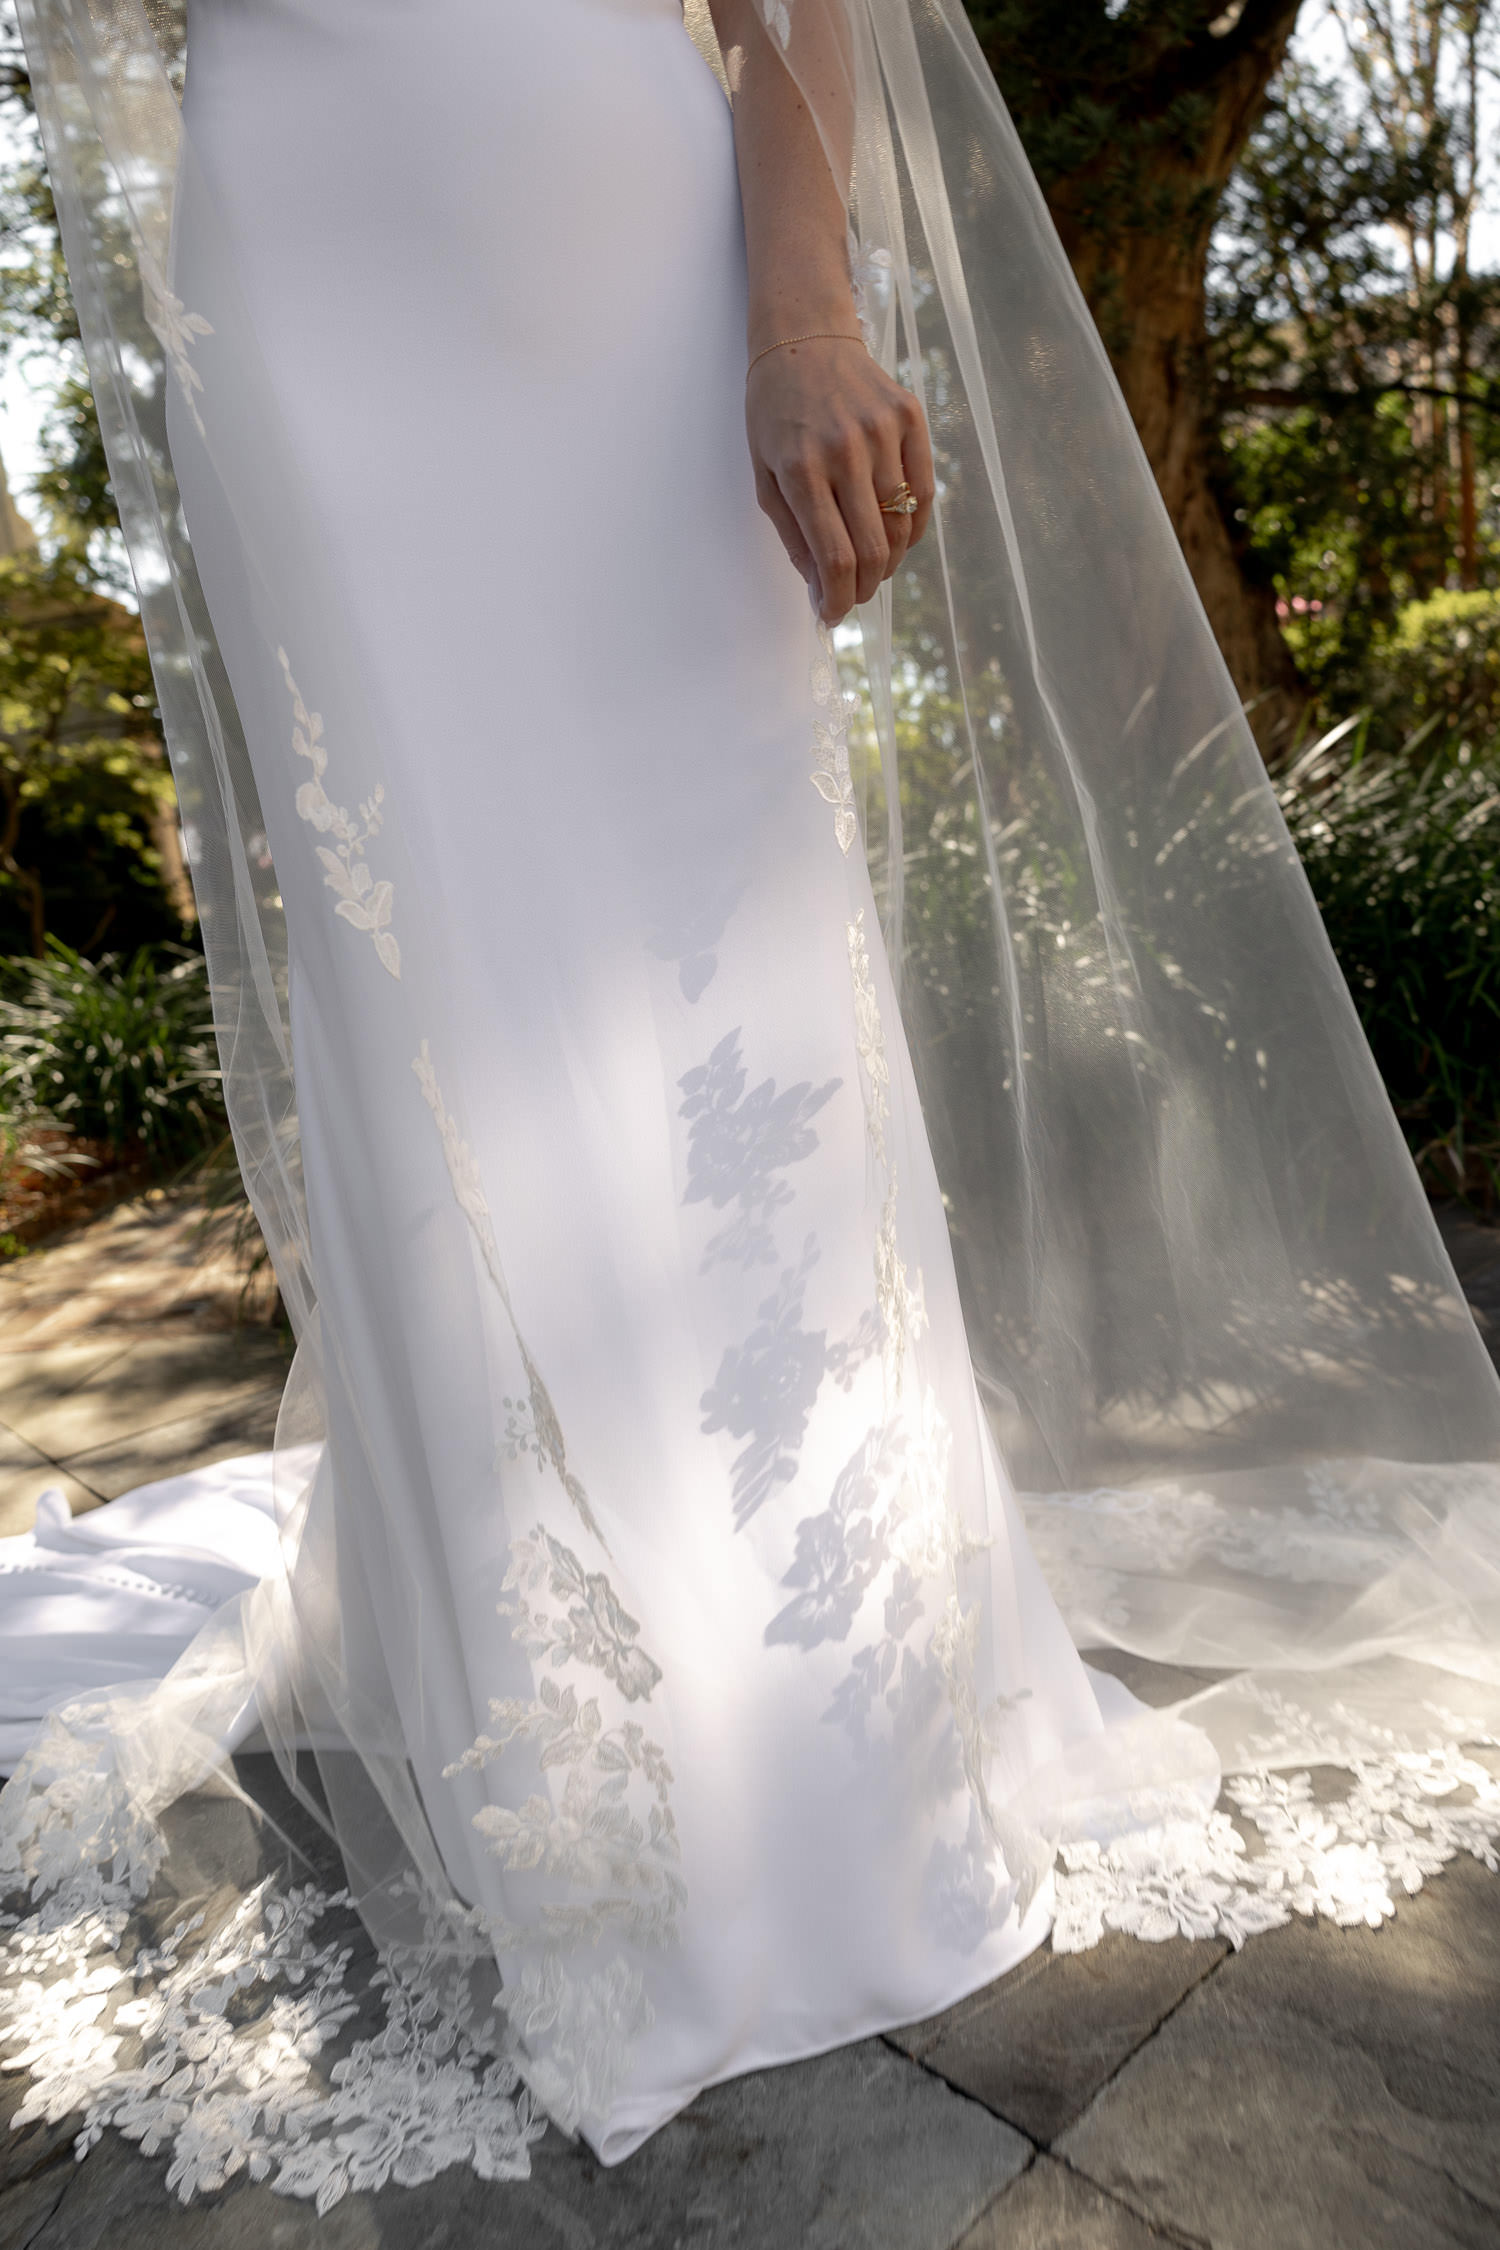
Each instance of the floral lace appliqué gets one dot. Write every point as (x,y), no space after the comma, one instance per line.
(594,1629)
(776,15)
(571,1995)
(228,2046)
(1406,1811)
(869,1039)
(362,902)
(176,330)
(541,1433)
(892,1519)
(831,774)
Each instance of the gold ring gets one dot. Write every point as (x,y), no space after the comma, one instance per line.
(902,502)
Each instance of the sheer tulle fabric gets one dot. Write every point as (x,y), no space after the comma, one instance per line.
(1217,1344)
(1221,1343)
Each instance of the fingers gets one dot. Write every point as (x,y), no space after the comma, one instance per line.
(804,493)
(916,467)
(836,504)
(889,475)
(827,534)
(822,475)
(871,534)
(789,530)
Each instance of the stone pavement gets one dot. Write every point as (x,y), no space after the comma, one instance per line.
(1325,2089)
(130,1348)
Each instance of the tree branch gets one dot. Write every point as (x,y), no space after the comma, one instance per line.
(1335,394)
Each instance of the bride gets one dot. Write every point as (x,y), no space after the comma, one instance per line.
(813,1142)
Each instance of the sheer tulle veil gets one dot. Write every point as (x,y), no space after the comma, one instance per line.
(1219,1341)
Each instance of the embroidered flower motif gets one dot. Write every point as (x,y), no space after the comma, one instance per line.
(362,902)
(542,1433)
(776,15)
(869,1039)
(610,1834)
(920,1539)
(831,775)
(175,329)
(870,279)
(208,2046)
(595,1630)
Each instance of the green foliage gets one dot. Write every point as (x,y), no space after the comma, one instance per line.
(36,304)
(1401,846)
(74,491)
(86,799)
(1355,343)
(1116,100)
(1403,854)
(119,1052)
(1440,668)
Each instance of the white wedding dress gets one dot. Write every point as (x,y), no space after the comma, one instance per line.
(657,1552)
(634,1275)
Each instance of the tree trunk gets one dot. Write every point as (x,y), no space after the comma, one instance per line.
(1136,217)
(1161,355)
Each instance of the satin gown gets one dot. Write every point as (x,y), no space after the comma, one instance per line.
(667,1527)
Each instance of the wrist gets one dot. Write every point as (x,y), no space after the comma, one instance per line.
(800,313)
(801,336)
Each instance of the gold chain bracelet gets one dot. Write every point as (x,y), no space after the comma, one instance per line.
(818,336)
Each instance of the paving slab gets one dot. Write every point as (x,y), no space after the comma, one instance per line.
(1325,2089)
(24,1473)
(45,1398)
(1474,1246)
(31,2151)
(240,1422)
(1036,2046)
(35,1383)
(27,2207)
(155,1264)
(1051,2208)
(858,2150)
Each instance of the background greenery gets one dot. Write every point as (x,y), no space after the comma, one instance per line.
(1280,213)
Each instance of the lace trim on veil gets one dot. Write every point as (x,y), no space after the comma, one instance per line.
(270,2041)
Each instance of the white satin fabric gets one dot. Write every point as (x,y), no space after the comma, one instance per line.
(117,1593)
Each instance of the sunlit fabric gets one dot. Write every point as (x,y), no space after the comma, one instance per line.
(813,1181)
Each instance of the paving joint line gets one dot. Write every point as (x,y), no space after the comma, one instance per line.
(50,1460)
(995,2201)
(63,2153)
(1104,2085)
(1156,2227)
(1143,2043)
(46,2218)
(1160,2228)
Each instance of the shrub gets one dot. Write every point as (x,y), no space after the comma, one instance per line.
(1403,854)
(119,1052)
(1440,668)
(87,809)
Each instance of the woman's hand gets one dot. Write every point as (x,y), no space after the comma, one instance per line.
(831,437)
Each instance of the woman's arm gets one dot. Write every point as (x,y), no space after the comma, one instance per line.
(831,435)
